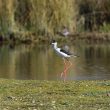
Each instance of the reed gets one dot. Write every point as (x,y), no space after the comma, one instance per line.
(50,15)
(42,17)
(95,13)
(27,18)
(7,17)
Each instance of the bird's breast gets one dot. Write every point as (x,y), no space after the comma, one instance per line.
(62,54)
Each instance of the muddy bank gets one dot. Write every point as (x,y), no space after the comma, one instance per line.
(29,38)
(24,38)
(92,36)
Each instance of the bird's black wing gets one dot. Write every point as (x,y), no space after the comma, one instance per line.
(65,51)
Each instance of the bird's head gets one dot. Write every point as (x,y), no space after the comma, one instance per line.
(54,43)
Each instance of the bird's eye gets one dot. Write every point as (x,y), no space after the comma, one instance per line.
(53,41)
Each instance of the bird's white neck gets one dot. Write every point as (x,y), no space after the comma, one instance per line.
(55,45)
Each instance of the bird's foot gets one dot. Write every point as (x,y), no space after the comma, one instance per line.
(63,76)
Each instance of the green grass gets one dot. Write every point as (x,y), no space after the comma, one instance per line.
(52,95)
(105,28)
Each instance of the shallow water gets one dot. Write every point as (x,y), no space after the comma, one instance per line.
(41,62)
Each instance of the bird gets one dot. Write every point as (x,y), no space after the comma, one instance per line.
(66,55)
(65,32)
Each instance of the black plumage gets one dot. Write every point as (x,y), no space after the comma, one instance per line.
(65,51)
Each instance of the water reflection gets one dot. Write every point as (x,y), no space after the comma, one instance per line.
(95,63)
(40,62)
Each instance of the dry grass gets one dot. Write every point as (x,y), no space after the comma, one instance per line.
(45,18)
(40,17)
(96,14)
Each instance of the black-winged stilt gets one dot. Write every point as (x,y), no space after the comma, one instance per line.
(65,55)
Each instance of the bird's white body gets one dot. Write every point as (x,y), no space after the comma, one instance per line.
(59,52)
(65,55)
(62,54)
(66,33)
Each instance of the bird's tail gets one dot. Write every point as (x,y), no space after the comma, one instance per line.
(75,55)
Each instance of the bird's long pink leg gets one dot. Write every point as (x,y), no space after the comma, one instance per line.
(70,64)
(65,67)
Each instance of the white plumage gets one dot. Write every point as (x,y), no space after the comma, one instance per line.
(61,52)
(65,55)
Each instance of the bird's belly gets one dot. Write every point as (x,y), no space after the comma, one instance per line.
(63,54)
(66,33)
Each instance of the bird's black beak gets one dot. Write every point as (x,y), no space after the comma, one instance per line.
(51,42)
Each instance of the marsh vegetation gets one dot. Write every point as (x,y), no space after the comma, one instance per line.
(34,19)
(29,19)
